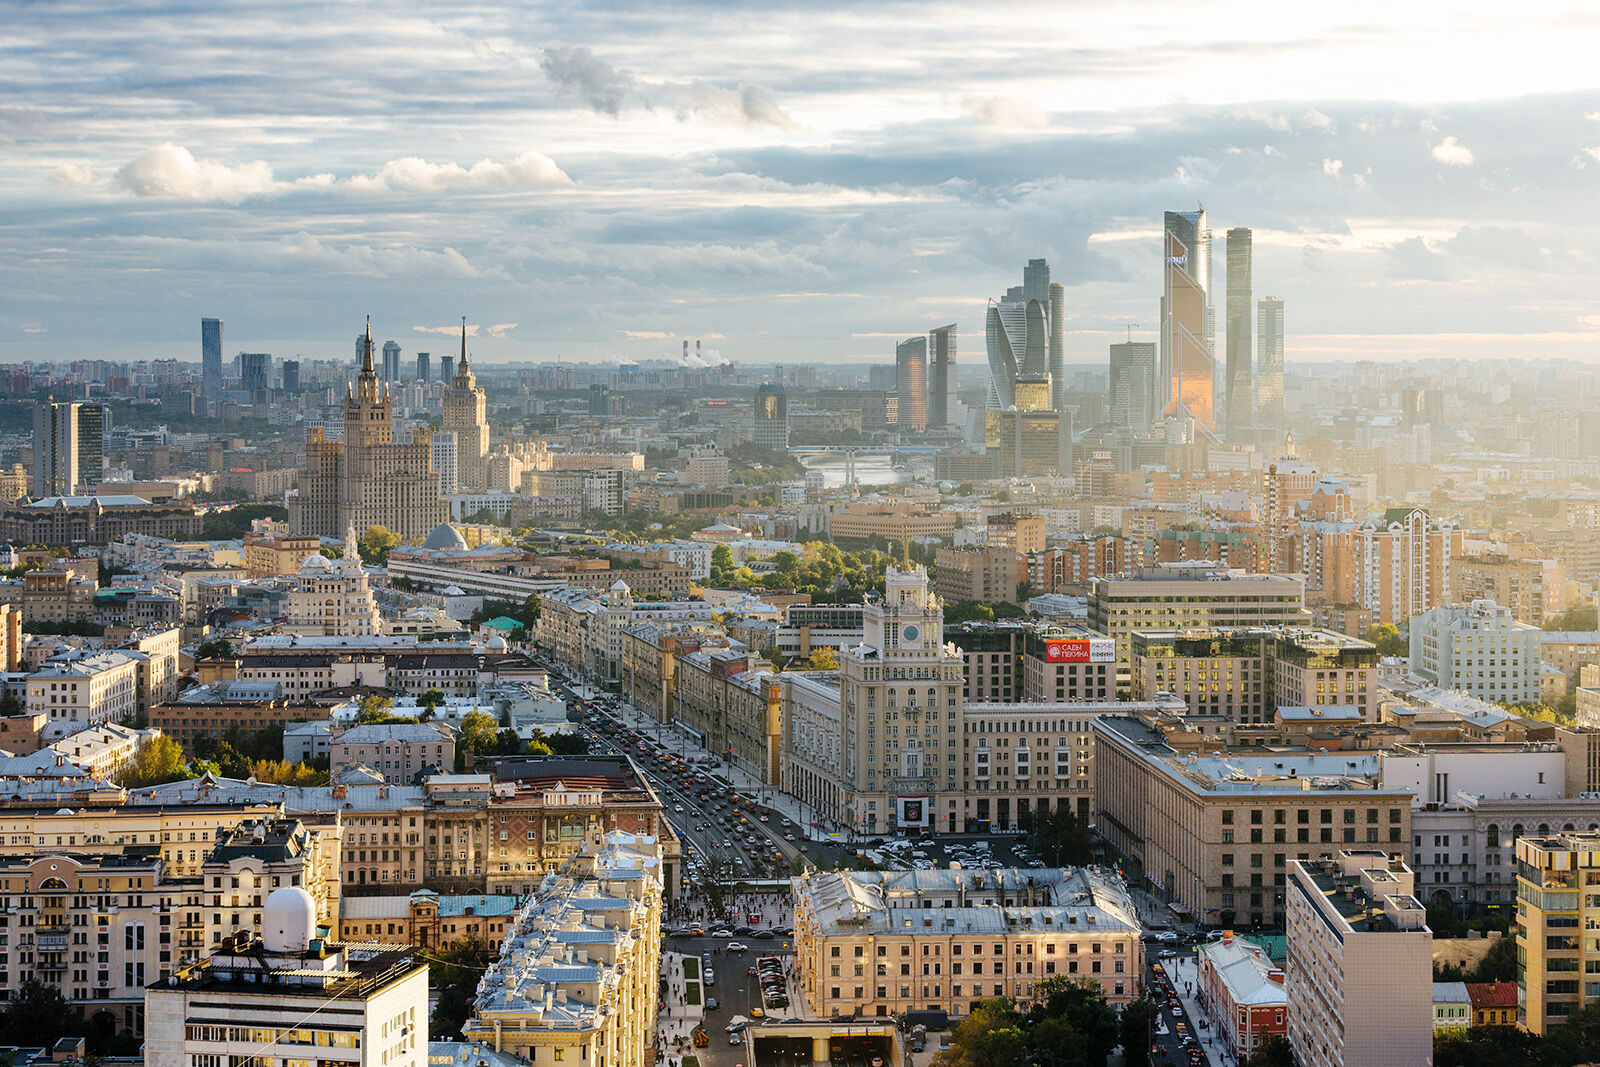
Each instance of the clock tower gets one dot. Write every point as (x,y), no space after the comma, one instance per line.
(900,693)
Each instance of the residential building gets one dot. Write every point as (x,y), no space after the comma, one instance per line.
(260,996)
(576,977)
(1493,1003)
(1531,588)
(333,598)
(426,920)
(942,377)
(225,709)
(987,575)
(1406,564)
(1352,919)
(1287,484)
(1016,531)
(95,520)
(1188,361)
(1452,1005)
(55,449)
(465,416)
(1553,956)
(369,478)
(879,943)
(732,703)
(402,752)
(1478,649)
(271,552)
(1214,832)
(1242,989)
(86,687)
(1068,567)
(899,521)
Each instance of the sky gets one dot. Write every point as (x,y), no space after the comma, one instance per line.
(789,182)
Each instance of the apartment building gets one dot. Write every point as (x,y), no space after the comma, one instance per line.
(86,686)
(878,943)
(424,919)
(891,522)
(1069,567)
(575,980)
(1406,564)
(1246,675)
(1531,588)
(732,703)
(1359,974)
(400,751)
(1478,649)
(1214,833)
(986,575)
(1023,534)
(100,928)
(1554,873)
(263,997)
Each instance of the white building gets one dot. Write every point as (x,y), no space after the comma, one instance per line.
(287,993)
(90,687)
(1359,975)
(332,598)
(444,461)
(1478,649)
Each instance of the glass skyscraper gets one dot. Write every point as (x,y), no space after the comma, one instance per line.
(941,376)
(1269,361)
(1133,385)
(1188,360)
(1240,385)
(1021,338)
(911,382)
(211,358)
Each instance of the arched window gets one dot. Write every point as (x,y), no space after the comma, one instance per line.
(1493,835)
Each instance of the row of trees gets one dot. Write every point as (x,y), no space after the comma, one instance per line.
(161,759)
(821,569)
(1576,1041)
(1069,1024)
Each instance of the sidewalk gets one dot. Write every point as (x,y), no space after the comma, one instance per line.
(680,1018)
(1185,972)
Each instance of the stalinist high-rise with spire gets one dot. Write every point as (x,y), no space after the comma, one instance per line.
(368,479)
(465,416)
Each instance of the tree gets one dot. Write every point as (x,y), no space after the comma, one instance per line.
(1387,637)
(824,659)
(1137,1019)
(1499,964)
(721,558)
(1583,617)
(990,1036)
(159,759)
(217,648)
(431,699)
(374,708)
(1082,1006)
(9,704)
(1060,839)
(478,735)
(1275,1051)
(39,1014)
(230,524)
(567,744)
(454,974)
(967,611)
(375,545)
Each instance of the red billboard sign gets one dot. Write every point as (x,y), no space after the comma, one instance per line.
(1081,650)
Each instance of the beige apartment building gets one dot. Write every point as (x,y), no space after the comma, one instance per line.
(86,687)
(1406,564)
(1557,905)
(987,575)
(1214,834)
(1531,588)
(400,751)
(1023,534)
(735,704)
(877,943)
(576,978)
(892,522)
(1359,974)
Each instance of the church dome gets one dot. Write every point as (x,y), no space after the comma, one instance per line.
(497,643)
(288,920)
(445,536)
(315,562)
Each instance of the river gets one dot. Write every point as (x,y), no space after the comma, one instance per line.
(872,468)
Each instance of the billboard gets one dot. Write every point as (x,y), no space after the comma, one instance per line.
(1081,650)
(913,811)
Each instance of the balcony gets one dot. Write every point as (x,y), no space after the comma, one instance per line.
(51,938)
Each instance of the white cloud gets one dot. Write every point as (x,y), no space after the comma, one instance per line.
(531,170)
(171,171)
(1005,111)
(499,329)
(72,176)
(1316,120)
(1332,167)
(1592,116)
(1593,152)
(1452,153)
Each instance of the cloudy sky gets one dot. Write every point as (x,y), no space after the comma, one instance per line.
(789,181)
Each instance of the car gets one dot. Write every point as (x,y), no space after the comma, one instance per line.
(764,935)
(1167,937)
(705,957)
(710,977)
(736,1037)
(757,1013)
(738,946)
(722,933)
(711,1003)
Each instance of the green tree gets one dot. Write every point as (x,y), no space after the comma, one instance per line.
(375,708)
(967,611)
(824,659)
(1387,637)
(158,760)
(39,1014)
(567,744)
(477,736)
(1583,617)
(375,545)
(990,1036)
(217,648)
(233,523)
(1082,1005)
(1499,964)
(721,558)
(1137,1020)
(454,974)
(431,699)
(9,704)
(1060,839)
(1275,1051)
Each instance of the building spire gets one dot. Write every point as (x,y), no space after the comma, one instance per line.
(366,352)
(463,363)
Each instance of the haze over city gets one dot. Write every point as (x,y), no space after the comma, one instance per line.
(807,183)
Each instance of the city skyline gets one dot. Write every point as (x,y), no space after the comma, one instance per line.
(738,199)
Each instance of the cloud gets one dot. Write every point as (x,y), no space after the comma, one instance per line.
(1503,247)
(499,329)
(610,90)
(1413,260)
(72,176)
(1005,111)
(1452,153)
(171,171)
(580,72)
(531,170)
(1332,167)
(646,335)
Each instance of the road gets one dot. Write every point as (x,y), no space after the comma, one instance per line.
(735,990)
(1178,1046)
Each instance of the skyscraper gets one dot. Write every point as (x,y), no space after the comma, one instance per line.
(447,366)
(391,361)
(1132,399)
(1018,335)
(1241,392)
(255,372)
(771,418)
(423,359)
(291,375)
(1058,346)
(941,376)
(911,382)
(211,358)
(444,461)
(1269,361)
(1188,363)
(92,422)
(465,416)
(55,449)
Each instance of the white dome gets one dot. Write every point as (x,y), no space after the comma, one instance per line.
(497,643)
(318,560)
(288,920)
